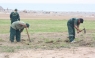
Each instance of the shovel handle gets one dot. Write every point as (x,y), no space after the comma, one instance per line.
(28,35)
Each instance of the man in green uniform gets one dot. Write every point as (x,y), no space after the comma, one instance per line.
(14,16)
(16,28)
(73,24)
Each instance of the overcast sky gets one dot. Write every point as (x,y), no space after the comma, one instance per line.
(49,1)
(50,5)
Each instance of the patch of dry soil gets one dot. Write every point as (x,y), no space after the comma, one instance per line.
(79,52)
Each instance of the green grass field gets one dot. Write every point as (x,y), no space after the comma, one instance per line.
(45,25)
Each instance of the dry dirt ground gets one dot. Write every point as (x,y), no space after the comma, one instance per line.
(47,45)
(39,48)
(81,52)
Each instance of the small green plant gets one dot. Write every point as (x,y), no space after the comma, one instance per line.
(94,38)
(1,40)
(7,49)
(48,41)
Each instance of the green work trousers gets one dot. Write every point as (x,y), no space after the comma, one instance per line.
(71,31)
(14,33)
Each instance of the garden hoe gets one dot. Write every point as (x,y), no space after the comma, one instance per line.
(28,35)
(84,30)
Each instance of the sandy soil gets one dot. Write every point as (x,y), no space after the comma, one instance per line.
(80,52)
(45,16)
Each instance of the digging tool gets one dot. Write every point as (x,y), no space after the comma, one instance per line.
(28,35)
(83,30)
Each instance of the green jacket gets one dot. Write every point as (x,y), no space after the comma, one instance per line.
(73,21)
(14,16)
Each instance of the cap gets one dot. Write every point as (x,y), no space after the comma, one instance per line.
(81,20)
(15,9)
(27,25)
